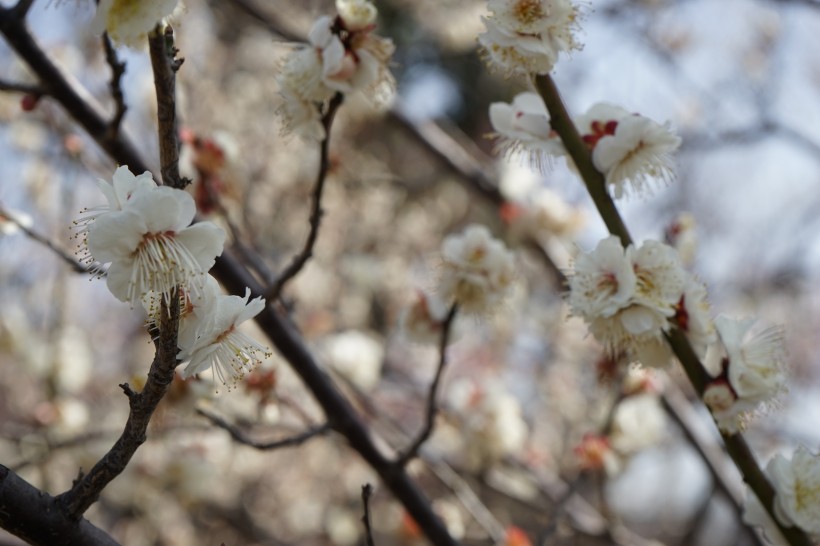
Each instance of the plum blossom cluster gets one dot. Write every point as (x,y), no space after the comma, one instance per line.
(343,56)
(527,36)
(128,22)
(477,270)
(633,152)
(144,233)
(796,484)
(630,297)
(748,372)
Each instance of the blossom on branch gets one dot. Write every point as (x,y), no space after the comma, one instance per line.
(343,55)
(146,236)
(630,297)
(524,126)
(527,36)
(478,270)
(128,22)
(210,336)
(749,372)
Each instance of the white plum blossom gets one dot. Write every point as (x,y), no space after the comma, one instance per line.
(524,126)
(478,270)
(630,150)
(357,356)
(639,422)
(527,36)
(149,242)
(630,297)
(797,489)
(342,55)
(492,423)
(210,337)
(748,372)
(128,22)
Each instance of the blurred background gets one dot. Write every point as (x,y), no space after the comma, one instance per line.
(511,459)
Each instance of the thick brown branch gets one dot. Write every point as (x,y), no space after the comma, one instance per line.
(432,409)
(86,490)
(31,514)
(316,212)
(165,65)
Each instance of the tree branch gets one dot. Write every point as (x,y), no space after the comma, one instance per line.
(117,71)
(29,513)
(242,438)
(316,212)
(735,444)
(165,66)
(367,491)
(413,449)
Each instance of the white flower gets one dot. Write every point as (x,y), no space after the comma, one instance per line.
(639,422)
(356,356)
(151,246)
(693,318)
(628,297)
(748,372)
(217,342)
(754,514)
(478,270)
(629,149)
(524,125)
(681,234)
(526,36)
(797,489)
(357,14)
(128,22)
(493,426)
(300,116)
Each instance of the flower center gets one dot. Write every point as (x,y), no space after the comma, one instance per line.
(599,129)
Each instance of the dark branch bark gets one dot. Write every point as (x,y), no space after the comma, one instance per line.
(367,491)
(32,515)
(165,65)
(117,71)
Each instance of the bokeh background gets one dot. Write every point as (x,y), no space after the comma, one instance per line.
(740,81)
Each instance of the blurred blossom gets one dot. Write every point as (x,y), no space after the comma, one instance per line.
(681,234)
(477,271)
(128,22)
(639,422)
(595,453)
(748,372)
(423,320)
(797,490)
(492,423)
(356,356)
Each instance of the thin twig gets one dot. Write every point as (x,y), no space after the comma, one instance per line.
(299,261)
(117,71)
(736,446)
(27,88)
(432,408)
(48,243)
(242,438)
(267,20)
(367,491)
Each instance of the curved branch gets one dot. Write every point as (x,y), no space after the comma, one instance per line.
(242,438)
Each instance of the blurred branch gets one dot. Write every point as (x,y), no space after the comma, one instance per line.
(367,491)
(22,7)
(117,71)
(316,212)
(26,88)
(470,171)
(735,444)
(267,20)
(65,92)
(165,65)
(242,438)
(29,513)
(412,450)
(48,243)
